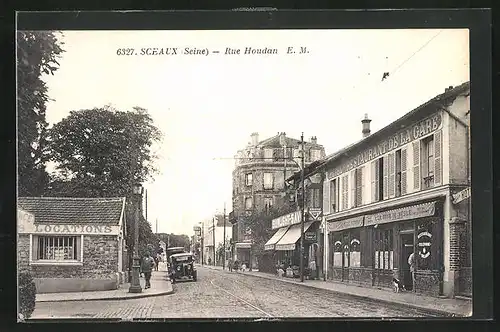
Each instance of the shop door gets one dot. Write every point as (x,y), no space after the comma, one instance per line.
(345,257)
(406,250)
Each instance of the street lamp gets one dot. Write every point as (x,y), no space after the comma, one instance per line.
(135,286)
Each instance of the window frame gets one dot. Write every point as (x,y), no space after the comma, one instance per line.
(427,162)
(249,198)
(334,195)
(35,247)
(271,185)
(248,179)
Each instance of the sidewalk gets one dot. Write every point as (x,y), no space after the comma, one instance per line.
(160,285)
(449,307)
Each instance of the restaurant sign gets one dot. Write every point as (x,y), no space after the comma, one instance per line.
(410,212)
(286,220)
(335,226)
(403,137)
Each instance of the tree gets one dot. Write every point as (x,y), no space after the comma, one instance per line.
(259,225)
(103,152)
(37,54)
(175,240)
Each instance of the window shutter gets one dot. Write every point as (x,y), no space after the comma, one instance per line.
(345,192)
(403,171)
(353,188)
(437,158)
(386,176)
(359,185)
(373,170)
(416,165)
(392,174)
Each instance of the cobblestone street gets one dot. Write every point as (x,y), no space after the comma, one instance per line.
(219,294)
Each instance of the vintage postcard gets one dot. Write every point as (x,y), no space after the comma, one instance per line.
(244,174)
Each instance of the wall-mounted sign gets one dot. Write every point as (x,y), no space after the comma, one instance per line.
(315,214)
(424,244)
(461,195)
(286,220)
(410,212)
(403,137)
(335,226)
(310,236)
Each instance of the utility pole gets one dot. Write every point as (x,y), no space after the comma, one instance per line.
(213,235)
(202,237)
(224,257)
(302,209)
(156,225)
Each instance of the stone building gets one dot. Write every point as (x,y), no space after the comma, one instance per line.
(403,190)
(72,244)
(259,182)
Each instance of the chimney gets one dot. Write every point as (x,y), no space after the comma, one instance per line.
(255,139)
(366,126)
(282,138)
(314,140)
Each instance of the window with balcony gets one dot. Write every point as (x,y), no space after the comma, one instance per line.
(377,179)
(268,180)
(248,179)
(427,146)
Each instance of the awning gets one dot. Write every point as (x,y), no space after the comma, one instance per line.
(288,240)
(275,238)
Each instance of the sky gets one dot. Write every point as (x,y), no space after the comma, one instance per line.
(207,106)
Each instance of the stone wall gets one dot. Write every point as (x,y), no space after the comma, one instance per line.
(100,261)
(23,252)
(428,282)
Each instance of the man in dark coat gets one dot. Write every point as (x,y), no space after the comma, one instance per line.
(148,264)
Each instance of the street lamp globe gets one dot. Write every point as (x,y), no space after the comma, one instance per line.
(137,189)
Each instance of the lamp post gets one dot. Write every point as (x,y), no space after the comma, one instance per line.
(135,286)
(302,209)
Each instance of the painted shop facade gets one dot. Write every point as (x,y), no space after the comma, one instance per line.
(399,191)
(72,244)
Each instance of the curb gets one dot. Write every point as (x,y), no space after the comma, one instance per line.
(111,298)
(366,298)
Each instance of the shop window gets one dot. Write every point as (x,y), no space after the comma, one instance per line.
(248,203)
(268,181)
(337,249)
(424,246)
(334,196)
(384,250)
(248,179)
(427,153)
(56,248)
(354,248)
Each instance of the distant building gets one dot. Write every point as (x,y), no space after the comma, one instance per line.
(258,182)
(72,244)
(208,238)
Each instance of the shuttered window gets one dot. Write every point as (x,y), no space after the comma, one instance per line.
(358,177)
(374,180)
(404,165)
(345,192)
(416,165)
(392,174)
(438,169)
(427,154)
(334,196)
(352,182)
(385,172)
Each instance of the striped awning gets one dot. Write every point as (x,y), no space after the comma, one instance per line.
(287,242)
(275,238)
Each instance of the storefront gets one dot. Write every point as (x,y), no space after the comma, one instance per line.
(374,247)
(72,244)
(285,242)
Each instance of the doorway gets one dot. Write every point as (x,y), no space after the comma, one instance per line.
(406,250)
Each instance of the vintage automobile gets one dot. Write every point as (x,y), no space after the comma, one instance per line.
(171,251)
(182,267)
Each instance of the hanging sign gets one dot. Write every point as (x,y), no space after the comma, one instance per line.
(310,236)
(315,213)
(424,244)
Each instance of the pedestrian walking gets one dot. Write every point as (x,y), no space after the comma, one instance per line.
(412,263)
(157,260)
(312,268)
(148,263)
